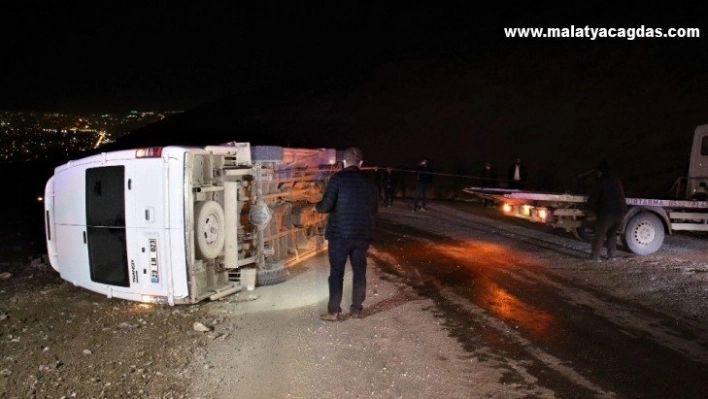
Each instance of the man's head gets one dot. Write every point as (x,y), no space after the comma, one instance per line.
(603,168)
(424,161)
(518,161)
(352,157)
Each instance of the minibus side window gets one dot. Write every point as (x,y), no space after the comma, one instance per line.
(105,196)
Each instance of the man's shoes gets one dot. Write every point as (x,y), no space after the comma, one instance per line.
(333,317)
(356,315)
(594,258)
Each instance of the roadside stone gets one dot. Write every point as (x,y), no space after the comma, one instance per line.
(201,327)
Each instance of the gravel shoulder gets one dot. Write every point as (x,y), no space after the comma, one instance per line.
(57,340)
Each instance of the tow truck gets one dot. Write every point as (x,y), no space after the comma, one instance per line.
(648,220)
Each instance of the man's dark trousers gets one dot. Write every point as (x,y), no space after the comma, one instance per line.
(606,229)
(339,250)
(420,195)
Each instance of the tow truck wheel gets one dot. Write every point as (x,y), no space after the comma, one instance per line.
(644,234)
(209,229)
(586,231)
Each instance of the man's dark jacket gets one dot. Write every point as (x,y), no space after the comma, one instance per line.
(607,197)
(424,174)
(352,200)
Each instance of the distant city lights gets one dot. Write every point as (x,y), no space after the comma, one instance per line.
(29,136)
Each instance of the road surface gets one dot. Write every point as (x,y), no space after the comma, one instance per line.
(463,304)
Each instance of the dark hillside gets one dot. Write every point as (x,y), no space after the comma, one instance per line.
(228,118)
(561,111)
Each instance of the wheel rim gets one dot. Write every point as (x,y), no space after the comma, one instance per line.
(644,233)
(211,229)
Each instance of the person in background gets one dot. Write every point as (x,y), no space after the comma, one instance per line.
(351,200)
(488,178)
(389,187)
(608,202)
(517,175)
(423,179)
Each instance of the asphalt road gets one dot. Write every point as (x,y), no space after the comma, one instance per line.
(517,290)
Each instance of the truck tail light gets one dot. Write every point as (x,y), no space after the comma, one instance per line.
(506,208)
(149,152)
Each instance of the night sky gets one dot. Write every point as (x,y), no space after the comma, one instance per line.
(401,81)
(123,56)
(117,56)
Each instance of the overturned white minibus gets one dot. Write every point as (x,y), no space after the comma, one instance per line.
(178,225)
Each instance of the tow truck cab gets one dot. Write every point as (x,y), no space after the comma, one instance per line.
(697,183)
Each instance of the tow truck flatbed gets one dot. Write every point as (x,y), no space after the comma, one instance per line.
(519,197)
(642,230)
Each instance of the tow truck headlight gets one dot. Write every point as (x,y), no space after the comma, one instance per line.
(543,214)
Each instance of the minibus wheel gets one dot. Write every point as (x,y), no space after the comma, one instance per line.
(209,229)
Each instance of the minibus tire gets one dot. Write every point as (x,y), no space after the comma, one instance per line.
(273,273)
(209,229)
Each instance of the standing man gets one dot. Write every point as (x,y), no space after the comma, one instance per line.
(424,178)
(609,204)
(389,187)
(351,200)
(517,175)
(488,179)
(488,176)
